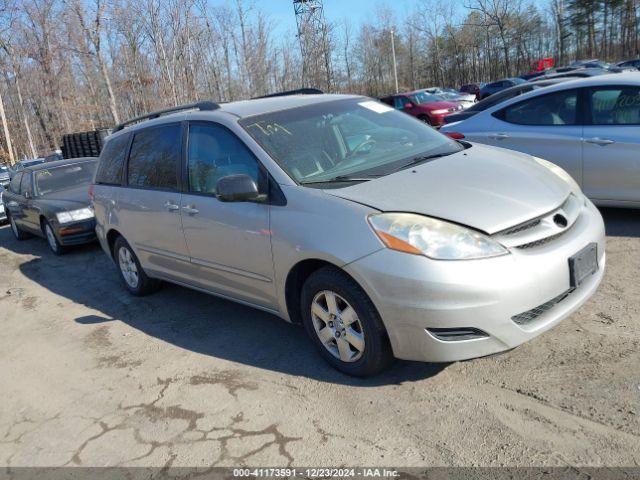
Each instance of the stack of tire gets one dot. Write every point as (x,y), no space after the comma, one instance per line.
(84,144)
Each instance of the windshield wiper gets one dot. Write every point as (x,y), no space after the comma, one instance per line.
(345,178)
(420,159)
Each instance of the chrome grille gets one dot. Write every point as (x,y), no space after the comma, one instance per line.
(529,316)
(522,227)
(544,229)
(541,242)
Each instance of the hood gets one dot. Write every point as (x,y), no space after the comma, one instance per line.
(486,188)
(68,199)
(439,105)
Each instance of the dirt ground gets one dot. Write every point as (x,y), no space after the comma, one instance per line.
(92,376)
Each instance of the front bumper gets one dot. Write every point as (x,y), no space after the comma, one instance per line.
(414,293)
(77,233)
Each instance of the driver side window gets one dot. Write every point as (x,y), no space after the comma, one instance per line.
(214,152)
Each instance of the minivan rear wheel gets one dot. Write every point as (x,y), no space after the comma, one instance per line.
(133,275)
(344,324)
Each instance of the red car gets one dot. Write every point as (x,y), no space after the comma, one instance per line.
(429,108)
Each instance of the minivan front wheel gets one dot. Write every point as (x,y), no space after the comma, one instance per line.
(344,324)
(134,277)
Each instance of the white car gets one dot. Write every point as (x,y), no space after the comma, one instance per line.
(590,127)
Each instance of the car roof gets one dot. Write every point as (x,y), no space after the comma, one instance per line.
(626,78)
(60,163)
(241,109)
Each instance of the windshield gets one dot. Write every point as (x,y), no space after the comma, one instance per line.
(61,178)
(500,97)
(423,97)
(28,163)
(3,169)
(354,137)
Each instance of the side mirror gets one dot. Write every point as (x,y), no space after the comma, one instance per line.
(408,105)
(238,188)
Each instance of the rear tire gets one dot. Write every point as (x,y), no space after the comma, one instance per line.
(344,324)
(52,240)
(131,272)
(17,232)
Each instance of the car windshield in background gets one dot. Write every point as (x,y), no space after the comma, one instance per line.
(422,97)
(345,139)
(3,169)
(62,178)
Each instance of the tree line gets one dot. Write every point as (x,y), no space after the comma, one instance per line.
(73,65)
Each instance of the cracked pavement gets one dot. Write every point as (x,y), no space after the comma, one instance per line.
(91,376)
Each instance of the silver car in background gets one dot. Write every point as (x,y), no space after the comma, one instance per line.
(379,234)
(589,127)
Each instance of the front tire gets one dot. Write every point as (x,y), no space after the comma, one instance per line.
(52,240)
(344,324)
(133,275)
(17,232)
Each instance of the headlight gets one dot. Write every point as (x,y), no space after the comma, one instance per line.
(411,233)
(74,215)
(560,172)
(440,112)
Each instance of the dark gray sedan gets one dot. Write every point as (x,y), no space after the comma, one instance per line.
(51,200)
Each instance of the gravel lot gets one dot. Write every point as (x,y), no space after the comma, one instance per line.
(91,376)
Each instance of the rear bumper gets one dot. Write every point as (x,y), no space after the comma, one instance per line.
(414,294)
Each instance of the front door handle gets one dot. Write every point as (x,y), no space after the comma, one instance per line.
(190,210)
(498,136)
(599,141)
(172,207)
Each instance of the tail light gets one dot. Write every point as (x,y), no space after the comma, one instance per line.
(91,192)
(454,135)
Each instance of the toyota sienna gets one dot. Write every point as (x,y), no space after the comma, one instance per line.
(382,236)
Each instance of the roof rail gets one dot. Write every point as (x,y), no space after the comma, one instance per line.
(298,91)
(204,106)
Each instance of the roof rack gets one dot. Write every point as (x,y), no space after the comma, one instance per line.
(298,91)
(203,106)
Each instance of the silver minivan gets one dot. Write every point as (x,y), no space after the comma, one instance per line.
(382,236)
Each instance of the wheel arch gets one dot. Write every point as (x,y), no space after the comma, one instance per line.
(296,277)
(111,237)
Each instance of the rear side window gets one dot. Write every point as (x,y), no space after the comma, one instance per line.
(112,161)
(14,186)
(615,106)
(155,158)
(558,108)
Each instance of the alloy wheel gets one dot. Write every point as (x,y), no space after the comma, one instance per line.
(337,325)
(128,267)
